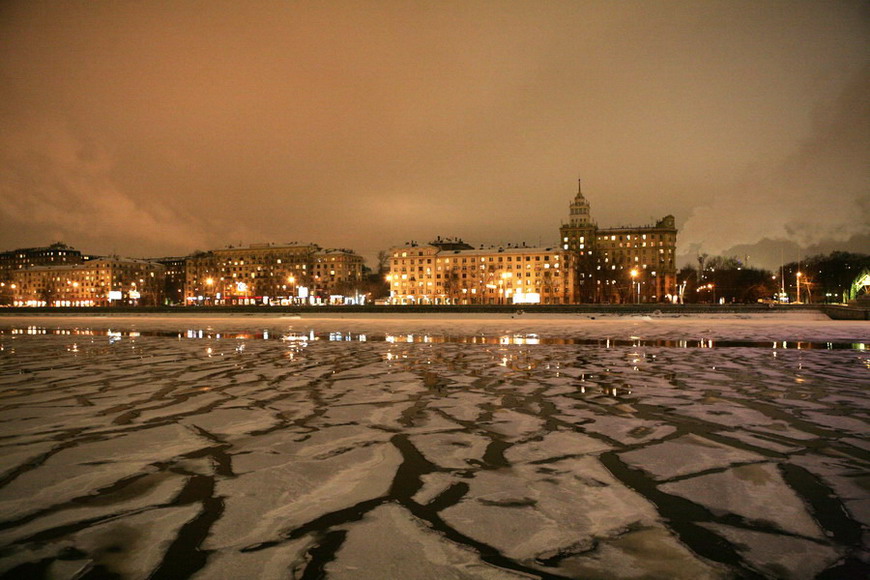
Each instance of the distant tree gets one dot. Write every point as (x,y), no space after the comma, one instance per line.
(374,284)
(723,263)
(451,282)
(687,283)
(702,259)
(48,293)
(7,295)
(383,262)
(731,281)
(825,278)
(585,276)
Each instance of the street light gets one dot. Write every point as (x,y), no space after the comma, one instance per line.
(292,281)
(634,274)
(798,284)
(209,282)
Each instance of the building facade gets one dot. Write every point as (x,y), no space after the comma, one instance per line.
(16,260)
(269,273)
(97,282)
(624,264)
(57,254)
(433,274)
(175,276)
(337,274)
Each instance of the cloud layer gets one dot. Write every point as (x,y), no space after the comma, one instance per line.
(160,128)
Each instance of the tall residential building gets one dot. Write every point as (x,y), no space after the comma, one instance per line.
(267,273)
(431,274)
(97,282)
(337,272)
(57,254)
(578,237)
(624,264)
(175,278)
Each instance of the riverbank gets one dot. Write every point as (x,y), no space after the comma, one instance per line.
(832,311)
(797,325)
(651,308)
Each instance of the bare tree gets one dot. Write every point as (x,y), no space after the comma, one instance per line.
(383,261)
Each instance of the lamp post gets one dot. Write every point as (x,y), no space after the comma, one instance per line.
(798,284)
(634,274)
(209,282)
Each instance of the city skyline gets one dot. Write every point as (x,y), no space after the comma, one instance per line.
(160,129)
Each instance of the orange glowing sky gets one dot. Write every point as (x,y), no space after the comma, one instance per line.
(158,128)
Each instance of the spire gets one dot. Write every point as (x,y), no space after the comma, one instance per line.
(579,189)
(579,215)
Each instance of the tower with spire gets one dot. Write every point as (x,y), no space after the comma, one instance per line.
(579,214)
(622,264)
(578,236)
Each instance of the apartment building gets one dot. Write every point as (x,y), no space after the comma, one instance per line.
(432,274)
(269,273)
(643,257)
(622,264)
(97,282)
(336,272)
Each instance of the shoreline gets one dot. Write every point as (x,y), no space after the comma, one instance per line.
(807,325)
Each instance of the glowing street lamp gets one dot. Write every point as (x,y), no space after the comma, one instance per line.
(209,282)
(292,281)
(798,283)
(634,274)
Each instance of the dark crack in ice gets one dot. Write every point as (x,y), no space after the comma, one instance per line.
(213,454)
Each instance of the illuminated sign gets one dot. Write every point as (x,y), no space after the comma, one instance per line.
(114,295)
(527,298)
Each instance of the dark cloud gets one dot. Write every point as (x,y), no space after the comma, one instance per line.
(159,128)
(818,194)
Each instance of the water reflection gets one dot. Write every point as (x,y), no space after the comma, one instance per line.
(759,446)
(529,339)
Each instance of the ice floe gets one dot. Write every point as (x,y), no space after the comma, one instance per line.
(446,446)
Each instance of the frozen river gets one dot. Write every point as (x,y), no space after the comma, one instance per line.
(454,447)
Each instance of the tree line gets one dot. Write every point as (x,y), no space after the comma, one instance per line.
(817,279)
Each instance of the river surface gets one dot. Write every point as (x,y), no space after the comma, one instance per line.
(480,447)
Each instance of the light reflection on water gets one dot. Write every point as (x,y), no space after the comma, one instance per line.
(658,422)
(506,339)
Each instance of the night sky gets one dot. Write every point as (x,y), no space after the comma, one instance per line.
(159,128)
